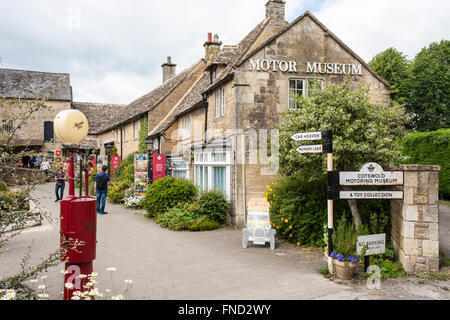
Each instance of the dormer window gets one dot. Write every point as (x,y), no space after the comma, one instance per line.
(213,74)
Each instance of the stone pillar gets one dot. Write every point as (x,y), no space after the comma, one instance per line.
(415,219)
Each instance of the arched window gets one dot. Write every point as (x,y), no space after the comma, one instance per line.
(48,131)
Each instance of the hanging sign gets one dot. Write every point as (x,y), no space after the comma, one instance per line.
(159,166)
(58,153)
(376,244)
(350,195)
(115,163)
(371,174)
(310,149)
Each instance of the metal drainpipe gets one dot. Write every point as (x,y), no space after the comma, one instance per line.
(121,143)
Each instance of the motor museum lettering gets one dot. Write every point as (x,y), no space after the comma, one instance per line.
(311,67)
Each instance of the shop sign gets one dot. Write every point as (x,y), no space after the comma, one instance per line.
(371,174)
(350,195)
(333,68)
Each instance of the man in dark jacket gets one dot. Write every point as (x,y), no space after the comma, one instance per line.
(101,189)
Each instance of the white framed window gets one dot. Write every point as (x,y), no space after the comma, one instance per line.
(296,87)
(125,133)
(212,171)
(302,87)
(180,168)
(187,127)
(136,130)
(220,103)
(222,100)
(119,138)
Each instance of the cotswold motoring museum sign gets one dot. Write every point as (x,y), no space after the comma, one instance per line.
(311,67)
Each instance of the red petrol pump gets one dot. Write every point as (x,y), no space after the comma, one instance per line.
(78,214)
(78,223)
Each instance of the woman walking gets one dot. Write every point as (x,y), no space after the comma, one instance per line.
(60,179)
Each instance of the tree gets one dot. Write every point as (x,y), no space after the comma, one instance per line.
(362,132)
(393,66)
(429,86)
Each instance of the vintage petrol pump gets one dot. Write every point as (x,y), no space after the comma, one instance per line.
(78,214)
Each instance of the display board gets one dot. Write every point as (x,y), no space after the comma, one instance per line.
(140,174)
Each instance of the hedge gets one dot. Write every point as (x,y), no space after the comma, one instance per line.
(432,148)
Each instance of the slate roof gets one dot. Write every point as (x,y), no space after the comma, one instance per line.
(191,100)
(23,84)
(149,101)
(99,115)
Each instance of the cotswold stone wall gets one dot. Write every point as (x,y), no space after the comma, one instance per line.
(415,219)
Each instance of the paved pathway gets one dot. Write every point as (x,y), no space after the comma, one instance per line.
(182,265)
(179,265)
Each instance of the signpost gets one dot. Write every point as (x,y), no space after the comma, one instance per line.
(371,174)
(328,149)
(348,195)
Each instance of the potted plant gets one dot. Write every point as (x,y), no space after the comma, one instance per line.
(345,258)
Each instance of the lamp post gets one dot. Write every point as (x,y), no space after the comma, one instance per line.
(78,214)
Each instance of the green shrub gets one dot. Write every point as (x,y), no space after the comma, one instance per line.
(185,218)
(345,237)
(212,204)
(389,266)
(167,193)
(202,224)
(126,169)
(432,148)
(116,192)
(298,210)
(3,187)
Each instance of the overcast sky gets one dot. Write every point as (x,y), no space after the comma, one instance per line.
(113,49)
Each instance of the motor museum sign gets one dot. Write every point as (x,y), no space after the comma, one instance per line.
(311,67)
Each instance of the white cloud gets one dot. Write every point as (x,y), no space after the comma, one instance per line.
(114,49)
(369,27)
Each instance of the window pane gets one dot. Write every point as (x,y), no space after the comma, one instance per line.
(219,178)
(296,87)
(223,101)
(217,104)
(219,157)
(179,174)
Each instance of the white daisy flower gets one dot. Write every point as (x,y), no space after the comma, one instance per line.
(64,271)
(82,276)
(129,281)
(34,281)
(42,287)
(43,295)
(93,274)
(75,298)
(69,286)
(77,293)
(44,277)
(111,269)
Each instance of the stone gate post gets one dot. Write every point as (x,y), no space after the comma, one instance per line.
(415,219)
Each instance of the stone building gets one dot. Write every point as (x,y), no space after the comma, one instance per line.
(214,135)
(211,119)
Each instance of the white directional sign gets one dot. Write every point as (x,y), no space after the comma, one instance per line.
(349,195)
(375,243)
(371,174)
(310,149)
(309,136)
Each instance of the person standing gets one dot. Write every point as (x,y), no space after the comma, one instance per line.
(60,179)
(45,165)
(101,189)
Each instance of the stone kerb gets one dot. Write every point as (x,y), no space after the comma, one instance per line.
(415,219)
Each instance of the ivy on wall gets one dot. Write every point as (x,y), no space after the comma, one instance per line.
(143,134)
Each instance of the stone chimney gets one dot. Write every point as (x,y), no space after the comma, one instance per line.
(168,69)
(212,48)
(275,10)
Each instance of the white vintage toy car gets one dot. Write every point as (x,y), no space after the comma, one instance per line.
(259,230)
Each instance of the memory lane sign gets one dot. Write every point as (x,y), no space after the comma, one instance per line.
(310,149)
